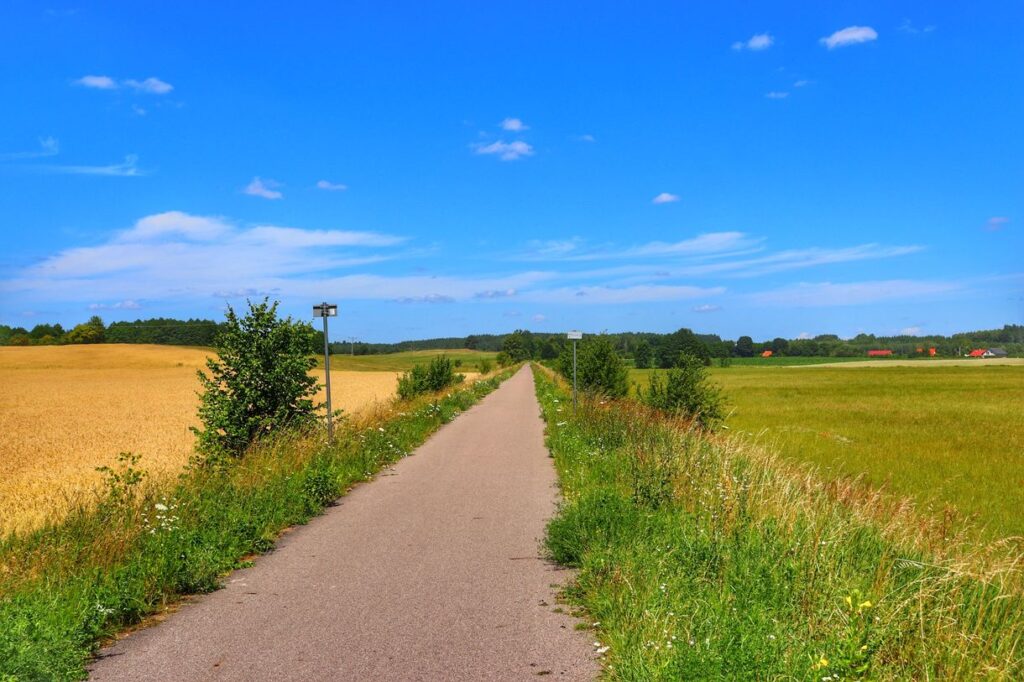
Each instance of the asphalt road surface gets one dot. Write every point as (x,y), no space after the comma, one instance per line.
(431,572)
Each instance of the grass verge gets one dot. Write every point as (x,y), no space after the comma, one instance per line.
(705,557)
(67,587)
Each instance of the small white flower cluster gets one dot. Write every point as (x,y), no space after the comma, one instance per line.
(163,518)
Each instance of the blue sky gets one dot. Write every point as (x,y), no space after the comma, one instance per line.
(444,169)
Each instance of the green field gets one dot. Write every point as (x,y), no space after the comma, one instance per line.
(401,362)
(942,434)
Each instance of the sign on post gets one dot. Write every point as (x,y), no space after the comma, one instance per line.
(326,310)
(574,336)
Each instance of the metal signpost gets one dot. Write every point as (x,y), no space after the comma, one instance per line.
(574,336)
(326,310)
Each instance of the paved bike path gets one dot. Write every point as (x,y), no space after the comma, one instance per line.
(430,572)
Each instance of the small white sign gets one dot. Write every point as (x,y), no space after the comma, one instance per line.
(326,310)
(574,336)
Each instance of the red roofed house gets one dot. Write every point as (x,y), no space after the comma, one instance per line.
(766,354)
(879,353)
(977,353)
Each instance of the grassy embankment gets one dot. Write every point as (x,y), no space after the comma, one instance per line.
(142,546)
(946,435)
(707,557)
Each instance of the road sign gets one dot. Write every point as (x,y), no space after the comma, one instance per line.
(574,336)
(325,310)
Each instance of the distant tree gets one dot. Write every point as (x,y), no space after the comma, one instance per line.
(92,331)
(519,345)
(51,330)
(258,382)
(548,350)
(681,341)
(472,342)
(599,368)
(779,346)
(745,347)
(642,354)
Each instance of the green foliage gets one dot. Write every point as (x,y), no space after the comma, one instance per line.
(702,558)
(745,347)
(519,346)
(503,359)
(165,331)
(599,368)
(681,341)
(485,366)
(642,355)
(257,383)
(92,331)
(686,391)
(104,569)
(430,378)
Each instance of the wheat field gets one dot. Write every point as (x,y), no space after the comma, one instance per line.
(65,410)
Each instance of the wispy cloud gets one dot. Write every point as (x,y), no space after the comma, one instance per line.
(610,295)
(426,298)
(802,83)
(706,308)
(665,198)
(996,223)
(851,35)
(514,125)
(585,138)
(126,169)
(127,304)
(506,151)
(776,94)
(760,41)
(826,294)
(701,245)
(914,330)
(97,82)
(151,85)
(495,293)
(263,188)
(331,186)
(48,146)
(908,27)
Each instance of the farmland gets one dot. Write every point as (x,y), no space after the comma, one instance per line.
(66,410)
(942,432)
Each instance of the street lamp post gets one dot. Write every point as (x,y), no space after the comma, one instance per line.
(574,336)
(326,310)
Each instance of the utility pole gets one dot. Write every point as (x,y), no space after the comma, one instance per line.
(326,310)
(574,336)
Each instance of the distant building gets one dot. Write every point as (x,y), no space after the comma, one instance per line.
(880,353)
(977,353)
(766,354)
(994,353)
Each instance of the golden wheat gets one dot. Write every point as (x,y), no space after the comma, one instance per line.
(66,410)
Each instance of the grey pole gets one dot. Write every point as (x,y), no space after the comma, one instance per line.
(574,376)
(327,375)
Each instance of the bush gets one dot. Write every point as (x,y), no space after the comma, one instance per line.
(485,366)
(599,369)
(258,382)
(685,390)
(430,378)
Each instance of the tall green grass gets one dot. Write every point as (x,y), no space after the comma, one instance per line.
(65,588)
(706,557)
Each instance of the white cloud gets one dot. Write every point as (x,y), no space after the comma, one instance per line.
(775,94)
(802,83)
(48,146)
(175,224)
(586,138)
(908,27)
(427,298)
(851,35)
(804,335)
(608,295)
(760,41)
(331,186)
(263,188)
(795,259)
(827,294)
(291,237)
(97,82)
(514,125)
(665,198)
(494,293)
(506,151)
(910,331)
(153,86)
(128,304)
(706,308)
(996,223)
(539,317)
(126,168)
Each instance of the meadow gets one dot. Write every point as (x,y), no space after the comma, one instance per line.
(943,432)
(66,410)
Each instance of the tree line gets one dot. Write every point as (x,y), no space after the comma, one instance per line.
(645,349)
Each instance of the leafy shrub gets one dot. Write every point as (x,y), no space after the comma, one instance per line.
(504,359)
(258,381)
(435,376)
(685,390)
(599,369)
(485,366)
